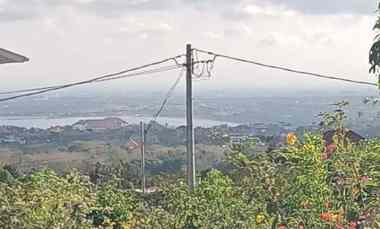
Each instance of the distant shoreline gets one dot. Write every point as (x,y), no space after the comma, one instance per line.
(44,122)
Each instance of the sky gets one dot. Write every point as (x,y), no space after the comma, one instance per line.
(71,40)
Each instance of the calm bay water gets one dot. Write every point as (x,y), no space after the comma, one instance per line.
(44,122)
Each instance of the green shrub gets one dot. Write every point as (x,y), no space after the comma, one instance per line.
(113,208)
(45,200)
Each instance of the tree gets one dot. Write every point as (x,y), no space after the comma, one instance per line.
(45,200)
(374,54)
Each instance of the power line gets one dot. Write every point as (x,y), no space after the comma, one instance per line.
(145,131)
(156,70)
(112,76)
(107,79)
(25,90)
(286,68)
(48,89)
(165,101)
(103,76)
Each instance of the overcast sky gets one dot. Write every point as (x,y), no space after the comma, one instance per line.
(68,40)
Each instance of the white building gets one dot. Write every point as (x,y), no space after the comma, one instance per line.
(237,139)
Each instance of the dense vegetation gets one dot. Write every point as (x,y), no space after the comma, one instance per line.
(299,186)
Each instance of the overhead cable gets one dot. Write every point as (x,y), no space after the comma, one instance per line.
(102,80)
(286,68)
(48,89)
(165,101)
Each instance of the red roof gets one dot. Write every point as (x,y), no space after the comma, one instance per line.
(107,123)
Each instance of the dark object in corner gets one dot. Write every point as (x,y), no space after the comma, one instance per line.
(350,135)
(330,147)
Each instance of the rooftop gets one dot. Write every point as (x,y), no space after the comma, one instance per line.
(7,56)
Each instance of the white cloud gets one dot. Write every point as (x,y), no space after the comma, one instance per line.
(327,6)
(164,27)
(213,35)
(246,29)
(267,10)
(70,42)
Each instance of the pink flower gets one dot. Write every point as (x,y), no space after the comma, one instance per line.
(364,178)
(352,225)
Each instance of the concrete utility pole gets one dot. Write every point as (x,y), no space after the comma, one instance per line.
(191,178)
(142,127)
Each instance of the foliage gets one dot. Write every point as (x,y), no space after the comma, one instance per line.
(113,207)
(292,186)
(334,120)
(45,200)
(6,176)
(374,55)
(215,203)
(297,186)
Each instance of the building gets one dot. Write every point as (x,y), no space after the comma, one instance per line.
(349,136)
(7,57)
(328,137)
(237,139)
(56,129)
(11,139)
(133,144)
(100,124)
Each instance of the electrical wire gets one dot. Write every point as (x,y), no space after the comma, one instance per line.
(165,101)
(286,68)
(107,79)
(111,76)
(152,71)
(207,66)
(26,90)
(48,89)
(99,78)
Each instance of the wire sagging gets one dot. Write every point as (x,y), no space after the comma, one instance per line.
(107,77)
(165,101)
(285,68)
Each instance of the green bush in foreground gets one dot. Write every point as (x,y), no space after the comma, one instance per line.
(44,200)
(215,203)
(295,187)
(298,186)
(113,207)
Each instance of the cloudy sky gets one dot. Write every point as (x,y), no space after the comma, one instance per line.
(69,40)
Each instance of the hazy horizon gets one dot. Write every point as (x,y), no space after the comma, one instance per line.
(74,40)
